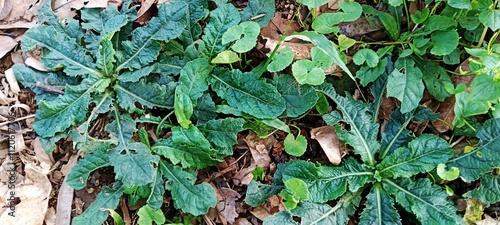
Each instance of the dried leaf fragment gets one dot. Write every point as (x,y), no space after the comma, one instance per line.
(331,145)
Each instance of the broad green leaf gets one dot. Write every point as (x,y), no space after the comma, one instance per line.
(488,191)
(323,214)
(258,193)
(256,8)
(405,84)
(298,98)
(64,111)
(444,42)
(439,23)
(94,215)
(379,208)
(245,92)
(422,155)
(70,27)
(363,134)
(78,176)
(244,36)
(189,156)
(485,87)
(295,146)
(61,51)
(205,109)
(312,3)
(281,60)
(328,183)
(345,42)
(194,78)
(490,18)
(148,215)
(135,166)
(222,133)
(322,104)
(367,74)
(460,4)
(144,47)
(464,108)
(320,58)
(183,108)
(428,202)
(305,72)
(226,57)
(367,56)
(326,46)
(395,3)
(191,198)
(283,217)
(147,94)
(106,57)
(395,134)
(104,22)
(326,22)
(296,191)
(29,78)
(155,199)
(435,78)
(190,136)
(332,118)
(221,19)
(197,10)
(483,158)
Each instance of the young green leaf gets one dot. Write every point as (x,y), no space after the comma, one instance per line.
(183,108)
(296,191)
(226,57)
(305,72)
(474,164)
(312,3)
(460,4)
(422,155)
(281,60)
(191,198)
(244,91)
(428,202)
(366,74)
(257,8)
(405,84)
(444,42)
(276,123)
(295,146)
(367,56)
(148,215)
(106,199)
(244,36)
(464,108)
(420,16)
(444,174)
(379,208)
(221,19)
(490,18)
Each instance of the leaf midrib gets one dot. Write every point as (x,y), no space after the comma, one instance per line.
(410,160)
(242,91)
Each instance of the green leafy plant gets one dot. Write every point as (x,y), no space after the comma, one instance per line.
(386,169)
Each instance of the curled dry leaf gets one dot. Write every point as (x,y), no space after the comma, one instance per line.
(50,217)
(260,149)
(329,142)
(35,64)
(14,86)
(7,45)
(5,7)
(226,205)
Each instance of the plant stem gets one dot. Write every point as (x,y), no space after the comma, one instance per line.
(485,30)
(157,132)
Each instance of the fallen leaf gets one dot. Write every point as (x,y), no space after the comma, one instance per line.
(146,4)
(244,176)
(260,212)
(40,153)
(7,45)
(35,64)
(242,221)
(22,15)
(260,148)
(5,7)
(488,221)
(226,205)
(329,142)
(50,217)
(359,28)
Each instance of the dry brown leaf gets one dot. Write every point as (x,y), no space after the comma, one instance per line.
(242,221)
(488,221)
(35,64)
(50,217)
(329,142)
(146,4)
(22,15)
(226,205)
(7,45)
(260,148)
(67,8)
(244,176)
(33,193)
(14,86)
(40,153)
(5,7)
(359,27)
(300,51)
(260,212)
(97,4)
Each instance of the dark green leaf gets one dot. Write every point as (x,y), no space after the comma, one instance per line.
(155,199)
(435,78)
(194,78)
(147,94)
(189,156)
(379,208)
(488,192)
(78,176)
(259,7)
(134,167)
(258,193)
(221,19)
(298,98)
(94,215)
(405,84)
